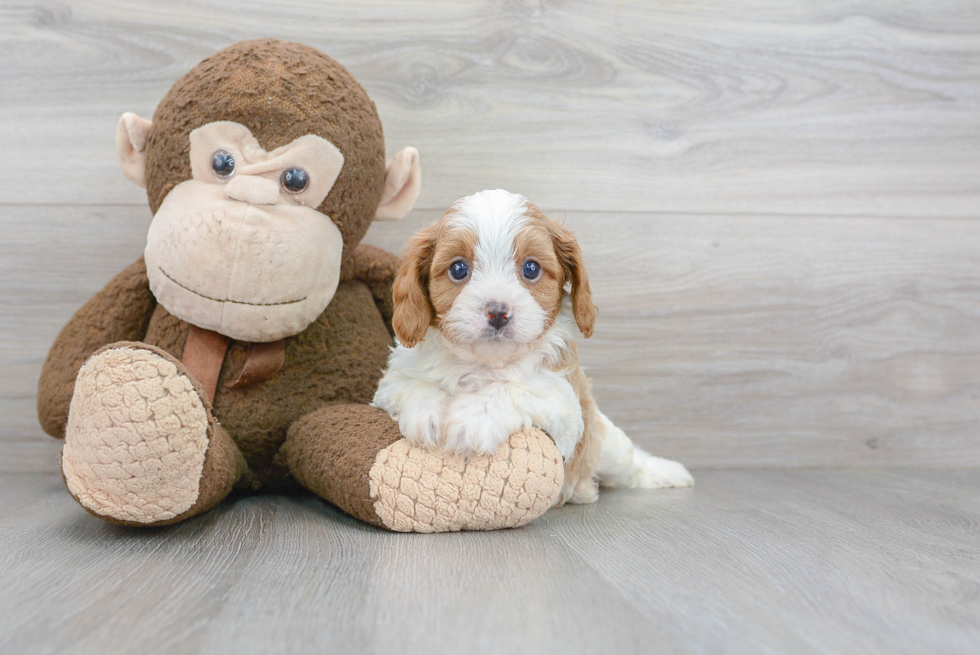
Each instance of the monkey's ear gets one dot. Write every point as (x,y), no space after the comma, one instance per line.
(403,179)
(131,137)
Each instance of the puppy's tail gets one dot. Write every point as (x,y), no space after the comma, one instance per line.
(624,464)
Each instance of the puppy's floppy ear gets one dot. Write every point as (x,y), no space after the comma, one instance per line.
(413,309)
(573,267)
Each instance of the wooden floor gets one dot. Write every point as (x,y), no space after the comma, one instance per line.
(755,561)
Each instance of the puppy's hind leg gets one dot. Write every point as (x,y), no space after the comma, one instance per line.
(625,465)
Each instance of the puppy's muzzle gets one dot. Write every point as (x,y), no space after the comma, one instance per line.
(497,313)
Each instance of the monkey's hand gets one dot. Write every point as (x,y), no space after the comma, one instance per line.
(376,268)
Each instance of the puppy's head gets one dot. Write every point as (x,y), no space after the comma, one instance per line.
(491,275)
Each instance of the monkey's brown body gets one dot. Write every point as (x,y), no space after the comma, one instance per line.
(336,361)
(147,440)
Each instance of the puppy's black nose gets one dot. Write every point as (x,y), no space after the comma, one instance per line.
(497,314)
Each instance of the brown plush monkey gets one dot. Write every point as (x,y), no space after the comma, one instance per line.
(241,350)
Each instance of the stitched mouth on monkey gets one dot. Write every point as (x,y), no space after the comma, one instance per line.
(238,302)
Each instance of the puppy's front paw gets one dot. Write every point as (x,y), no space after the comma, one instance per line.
(566,430)
(474,425)
(420,424)
(658,473)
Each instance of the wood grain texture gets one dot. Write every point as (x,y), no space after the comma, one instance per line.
(725,342)
(816,561)
(778,203)
(778,200)
(856,107)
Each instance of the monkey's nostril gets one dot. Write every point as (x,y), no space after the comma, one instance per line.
(497,313)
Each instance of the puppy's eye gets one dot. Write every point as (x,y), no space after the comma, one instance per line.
(223,164)
(531,270)
(295,180)
(459,271)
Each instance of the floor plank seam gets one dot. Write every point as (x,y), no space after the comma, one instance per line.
(659,213)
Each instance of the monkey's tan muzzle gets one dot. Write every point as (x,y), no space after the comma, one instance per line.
(247,269)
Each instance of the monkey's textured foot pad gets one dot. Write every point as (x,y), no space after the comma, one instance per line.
(136,439)
(419,490)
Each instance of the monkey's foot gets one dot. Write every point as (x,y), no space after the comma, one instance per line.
(419,490)
(138,431)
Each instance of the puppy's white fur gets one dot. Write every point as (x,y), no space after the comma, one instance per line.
(466,387)
(441,399)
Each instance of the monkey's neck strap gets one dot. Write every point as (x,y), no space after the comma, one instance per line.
(205,353)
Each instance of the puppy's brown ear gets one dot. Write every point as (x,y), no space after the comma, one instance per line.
(573,267)
(413,309)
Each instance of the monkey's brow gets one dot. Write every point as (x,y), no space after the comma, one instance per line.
(237,302)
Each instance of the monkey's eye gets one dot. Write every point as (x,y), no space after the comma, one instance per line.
(223,164)
(295,180)
(531,270)
(458,270)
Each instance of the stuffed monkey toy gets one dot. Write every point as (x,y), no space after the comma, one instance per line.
(241,351)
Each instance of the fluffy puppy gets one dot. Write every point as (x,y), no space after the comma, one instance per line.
(486,346)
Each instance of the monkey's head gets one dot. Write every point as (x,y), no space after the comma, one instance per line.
(264,167)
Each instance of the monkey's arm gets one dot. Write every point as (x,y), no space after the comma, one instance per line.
(354,456)
(119,312)
(376,268)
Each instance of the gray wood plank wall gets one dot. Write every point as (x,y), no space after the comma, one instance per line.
(778,200)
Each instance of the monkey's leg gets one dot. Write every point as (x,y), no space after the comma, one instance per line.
(353,456)
(141,446)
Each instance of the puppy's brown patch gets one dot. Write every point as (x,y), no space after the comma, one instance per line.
(453,243)
(423,291)
(569,256)
(580,469)
(535,242)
